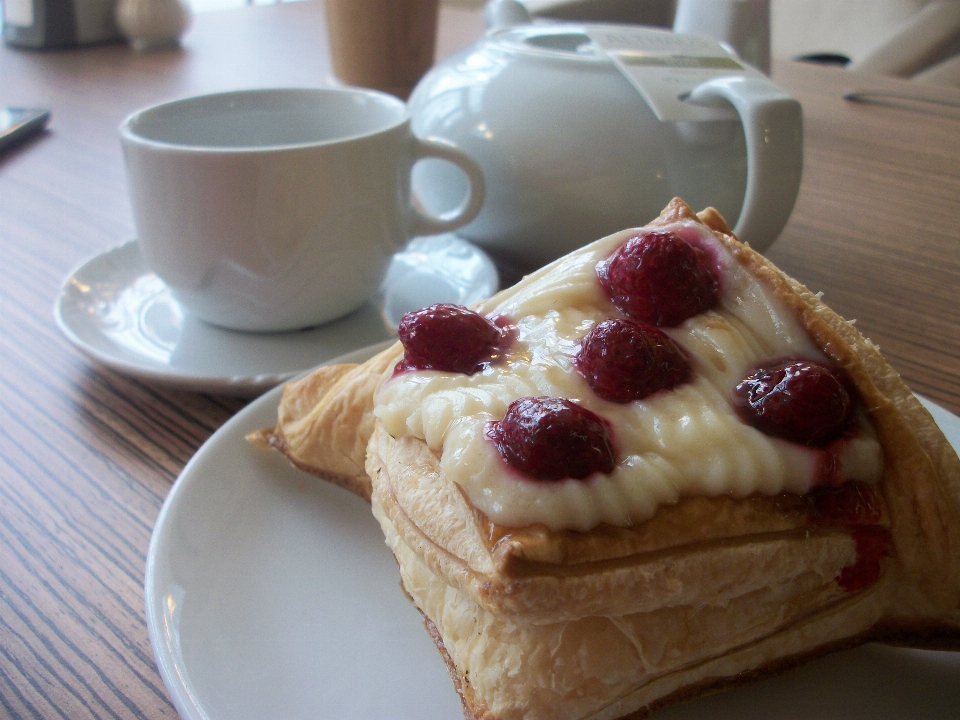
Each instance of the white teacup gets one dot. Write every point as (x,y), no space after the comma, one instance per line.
(279,209)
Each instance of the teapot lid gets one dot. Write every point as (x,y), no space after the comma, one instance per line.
(563,40)
(576,41)
(663,66)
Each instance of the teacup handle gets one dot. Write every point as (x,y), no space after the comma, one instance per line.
(423,224)
(773,129)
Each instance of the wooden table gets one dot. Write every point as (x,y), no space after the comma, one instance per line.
(88,455)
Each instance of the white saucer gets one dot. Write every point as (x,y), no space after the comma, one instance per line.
(271,594)
(438,268)
(115,310)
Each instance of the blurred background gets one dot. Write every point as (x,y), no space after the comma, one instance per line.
(904,38)
(918,39)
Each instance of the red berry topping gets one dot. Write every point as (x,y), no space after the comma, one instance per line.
(659,278)
(798,400)
(873,544)
(449,338)
(623,360)
(850,504)
(550,438)
(859,507)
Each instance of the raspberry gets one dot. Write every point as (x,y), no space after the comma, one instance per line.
(623,360)
(550,438)
(659,278)
(798,400)
(449,338)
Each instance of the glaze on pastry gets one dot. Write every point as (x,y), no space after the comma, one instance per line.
(712,534)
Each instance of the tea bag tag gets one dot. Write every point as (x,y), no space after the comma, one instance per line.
(664,67)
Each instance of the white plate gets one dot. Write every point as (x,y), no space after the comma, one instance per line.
(122,315)
(271,594)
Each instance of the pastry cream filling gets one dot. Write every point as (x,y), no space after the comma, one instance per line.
(683,442)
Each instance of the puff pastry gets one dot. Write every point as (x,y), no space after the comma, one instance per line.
(699,590)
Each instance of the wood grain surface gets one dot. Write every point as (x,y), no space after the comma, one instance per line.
(876,226)
(88,455)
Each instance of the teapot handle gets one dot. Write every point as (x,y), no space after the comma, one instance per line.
(773,129)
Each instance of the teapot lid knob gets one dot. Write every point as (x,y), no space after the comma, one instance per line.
(504,13)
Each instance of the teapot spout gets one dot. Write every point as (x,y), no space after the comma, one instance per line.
(504,13)
(744,25)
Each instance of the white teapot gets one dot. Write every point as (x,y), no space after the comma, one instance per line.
(571,150)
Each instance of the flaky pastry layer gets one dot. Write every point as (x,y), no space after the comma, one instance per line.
(612,666)
(436,518)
